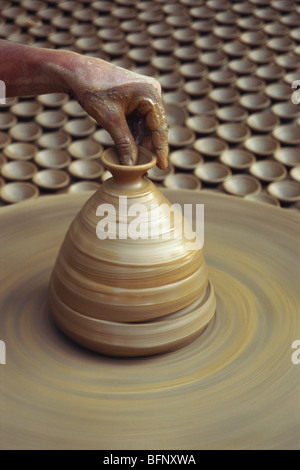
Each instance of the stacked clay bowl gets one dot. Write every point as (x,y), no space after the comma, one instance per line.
(236,62)
(126,296)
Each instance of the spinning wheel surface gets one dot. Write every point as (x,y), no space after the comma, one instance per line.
(235,387)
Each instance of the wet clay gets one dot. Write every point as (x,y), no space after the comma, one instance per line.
(123,296)
(234,387)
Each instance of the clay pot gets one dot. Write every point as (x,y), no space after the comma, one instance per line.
(137,39)
(250,84)
(203,26)
(242,66)
(279,91)
(4,139)
(20,151)
(17,192)
(186,53)
(105,22)
(62,38)
(133,26)
(263,122)
(123,296)
(51,179)
(202,124)
(186,159)
(158,175)
(286,191)
(268,170)
(288,61)
(236,49)
(212,173)
(89,43)
(178,21)
(193,70)
(287,134)
(276,29)
(103,137)
(51,119)
(18,170)
(261,56)
(182,181)
(86,149)
(213,59)
(83,29)
(224,96)
(53,100)
(295,173)
(7,120)
(223,76)
(197,87)
(242,185)
(261,145)
(55,140)
(52,158)
(180,136)
(234,133)
(25,132)
(165,63)
(203,106)
(254,38)
(176,115)
(141,55)
(86,169)
(178,97)
(270,72)
(289,156)
(160,29)
(280,44)
(237,159)
(291,77)
(255,101)
(73,109)
(171,81)
(250,23)
(226,33)
(64,23)
(185,35)
(208,43)
(232,113)
(210,146)
(226,17)
(80,127)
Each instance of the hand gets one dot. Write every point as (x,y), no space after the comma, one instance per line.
(126,104)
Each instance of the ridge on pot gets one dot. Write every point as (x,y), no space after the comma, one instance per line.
(122,294)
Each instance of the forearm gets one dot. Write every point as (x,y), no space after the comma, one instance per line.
(28,71)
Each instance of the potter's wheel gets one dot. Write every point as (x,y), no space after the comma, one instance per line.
(233,387)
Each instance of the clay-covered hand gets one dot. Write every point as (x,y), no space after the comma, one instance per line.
(126,104)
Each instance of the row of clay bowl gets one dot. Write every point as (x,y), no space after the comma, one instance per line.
(214,121)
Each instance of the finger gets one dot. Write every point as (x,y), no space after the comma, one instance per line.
(156,122)
(123,138)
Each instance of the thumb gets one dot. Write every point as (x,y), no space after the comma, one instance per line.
(123,138)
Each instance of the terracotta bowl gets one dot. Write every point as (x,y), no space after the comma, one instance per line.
(250,83)
(103,137)
(26,109)
(186,53)
(180,136)
(243,8)
(224,95)
(83,29)
(151,16)
(139,39)
(237,158)
(25,132)
(63,23)
(282,5)
(171,81)
(184,35)
(178,21)
(21,38)
(52,158)
(261,56)
(7,120)
(234,133)
(51,179)
(132,26)
(18,170)
(56,140)
(281,44)
(182,181)
(250,23)
(268,170)
(115,48)
(89,43)
(226,17)
(226,32)
(203,106)
(159,29)
(270,72)
(279,91)
(53,100)
(286,110)
(198,87)
(51,119)
(176,115)
(242,185)
(84,14)
(20,151)
(202,124)
(17,192)
(261,145)
(288,61)
(295,33)
(213,59)
(86,169)
(105,21)
(165,63)
(223,76)
(212,173)
(286,191)
(236,49)
(165,44)
(193,70)
(232,113)
(266,13)
(185,159)
(276,29)
(80,186)
(263,122)
(80,127)
(157,175)
(255,101)
(242,66)
(210,146)
(8,103)
(208,42)
(178,97)
(174,9)
(265,198)
(141,55)
(289,156)
(254,38)
(7,29)
(291,20)
(201,12)
(295,173)
(86,149)
(203,26)
(123,13)
(112,34)
(62,38)
(2,160)
(287,134)
(73,109)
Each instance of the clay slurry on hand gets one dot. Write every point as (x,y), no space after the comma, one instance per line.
(133,114)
